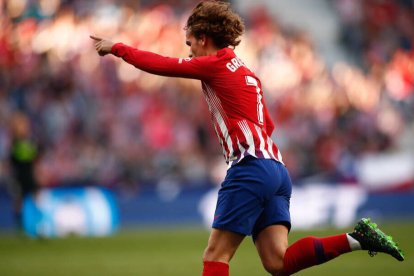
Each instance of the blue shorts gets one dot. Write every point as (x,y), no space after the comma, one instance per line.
(255,194)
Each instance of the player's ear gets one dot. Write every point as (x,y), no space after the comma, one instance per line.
(203,39)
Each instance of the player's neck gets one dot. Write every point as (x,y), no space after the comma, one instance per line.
(209,48)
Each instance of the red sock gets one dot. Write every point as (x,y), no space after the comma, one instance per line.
(312,251)
(215,269)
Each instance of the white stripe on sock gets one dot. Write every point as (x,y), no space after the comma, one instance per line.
(353,243)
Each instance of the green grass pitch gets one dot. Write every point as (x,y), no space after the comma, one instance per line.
(177,252)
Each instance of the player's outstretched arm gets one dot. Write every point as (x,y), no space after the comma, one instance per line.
(102,46)
(196,68)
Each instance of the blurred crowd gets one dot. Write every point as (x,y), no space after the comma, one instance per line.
(373,30)
(101,121)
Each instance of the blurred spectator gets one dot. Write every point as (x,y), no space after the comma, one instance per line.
(23,155)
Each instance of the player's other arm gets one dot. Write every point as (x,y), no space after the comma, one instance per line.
(197,68)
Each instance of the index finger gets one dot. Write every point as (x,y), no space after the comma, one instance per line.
(95,38)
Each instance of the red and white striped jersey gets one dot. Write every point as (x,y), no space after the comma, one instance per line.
(233,94)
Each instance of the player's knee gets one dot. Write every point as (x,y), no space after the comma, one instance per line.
(214,254)
(211,253)
(208,252)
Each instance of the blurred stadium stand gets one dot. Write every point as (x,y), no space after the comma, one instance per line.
(338,77)
(314,17)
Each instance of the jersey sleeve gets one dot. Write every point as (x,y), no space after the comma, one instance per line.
(194,68)
(270,126)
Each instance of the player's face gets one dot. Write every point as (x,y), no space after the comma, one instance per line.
(196,45)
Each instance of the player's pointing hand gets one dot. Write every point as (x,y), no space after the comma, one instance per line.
(102,46)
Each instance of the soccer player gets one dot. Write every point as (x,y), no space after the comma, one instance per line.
(255,194)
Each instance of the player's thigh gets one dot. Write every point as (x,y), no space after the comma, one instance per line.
(222,245)
(271,244)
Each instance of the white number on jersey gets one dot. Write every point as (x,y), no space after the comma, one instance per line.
(253,82)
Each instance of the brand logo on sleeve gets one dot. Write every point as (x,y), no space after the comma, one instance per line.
(180,60)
